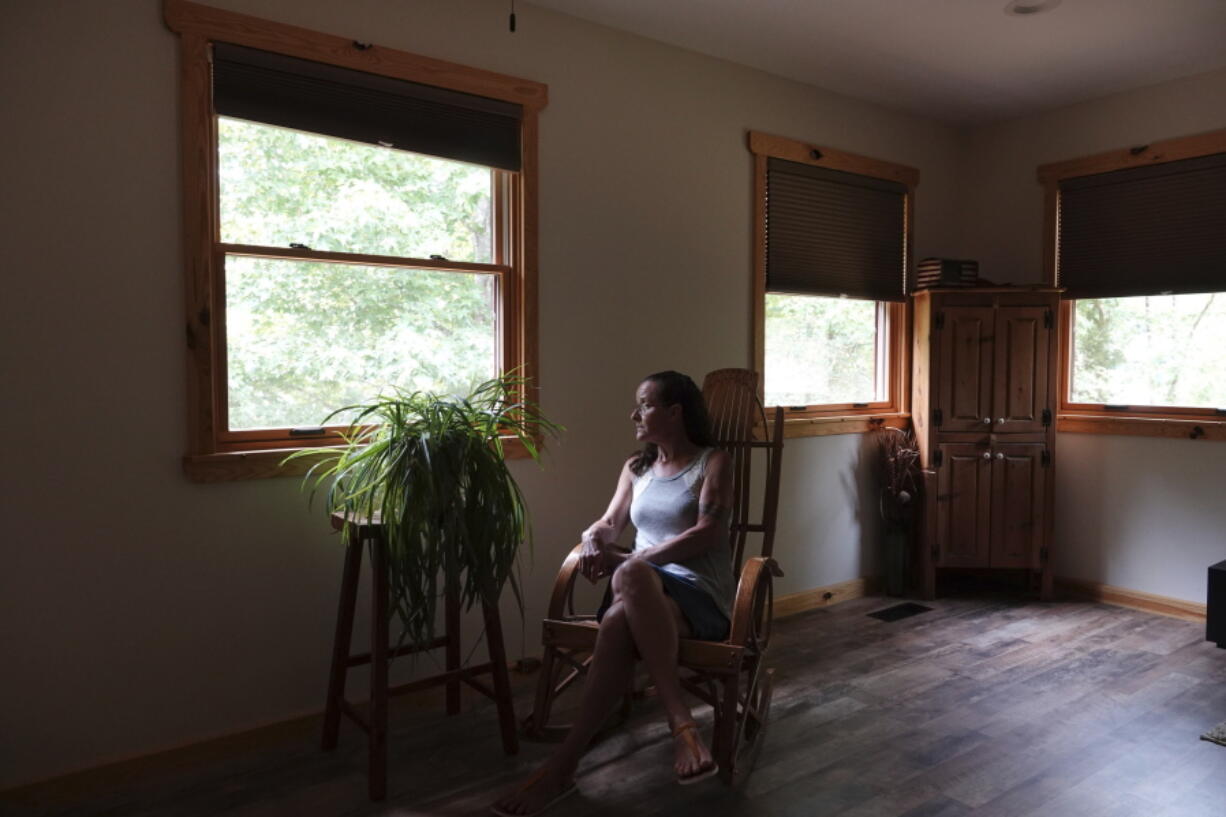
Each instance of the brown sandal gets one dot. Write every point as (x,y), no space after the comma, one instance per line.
(688,732)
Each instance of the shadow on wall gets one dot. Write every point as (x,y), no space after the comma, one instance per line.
(860,484)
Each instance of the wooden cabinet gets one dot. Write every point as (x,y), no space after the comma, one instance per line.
(982,388)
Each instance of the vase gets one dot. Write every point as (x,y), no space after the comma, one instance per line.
(896,540)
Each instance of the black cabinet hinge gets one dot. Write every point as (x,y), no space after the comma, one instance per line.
(1047,319)
(938,417)
(939,322)
(938,457)
(1045,458)
(1046,417)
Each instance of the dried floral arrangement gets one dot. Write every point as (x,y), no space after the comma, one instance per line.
(899,458)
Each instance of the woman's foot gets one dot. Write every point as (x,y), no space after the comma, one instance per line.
(692,760)
(539,791)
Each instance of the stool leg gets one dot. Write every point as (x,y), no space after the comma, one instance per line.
(502,682)
(451,613)
(378,669)
(341,642)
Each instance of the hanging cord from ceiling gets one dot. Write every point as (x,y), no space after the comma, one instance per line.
(512,20)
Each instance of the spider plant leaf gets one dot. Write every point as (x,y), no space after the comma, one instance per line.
(431,470)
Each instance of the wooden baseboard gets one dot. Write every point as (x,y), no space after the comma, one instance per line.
(794,603)
(1136,599)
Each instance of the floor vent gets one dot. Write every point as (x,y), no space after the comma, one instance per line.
(905,610)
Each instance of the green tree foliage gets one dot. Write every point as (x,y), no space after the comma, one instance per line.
(820,350)
(280,187)
(1167,350)
(306,337)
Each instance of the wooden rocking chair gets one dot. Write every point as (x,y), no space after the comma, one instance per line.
(728,675)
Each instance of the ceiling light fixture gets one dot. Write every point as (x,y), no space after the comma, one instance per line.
(1029,8)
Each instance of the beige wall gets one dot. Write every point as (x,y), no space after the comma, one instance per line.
(139,611)
(1140,513)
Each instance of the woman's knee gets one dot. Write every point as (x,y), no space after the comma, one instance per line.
(634,576)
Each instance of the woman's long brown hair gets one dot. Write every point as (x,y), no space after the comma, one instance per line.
(675,388)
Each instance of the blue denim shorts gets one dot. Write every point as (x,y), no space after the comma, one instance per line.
(707,622)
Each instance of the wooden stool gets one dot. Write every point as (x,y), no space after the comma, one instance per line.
(365,532)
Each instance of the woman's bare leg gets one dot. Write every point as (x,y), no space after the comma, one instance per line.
(656,623)
(607,680)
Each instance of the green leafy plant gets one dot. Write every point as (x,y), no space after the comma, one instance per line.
(430,469)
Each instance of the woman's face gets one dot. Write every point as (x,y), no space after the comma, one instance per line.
(654,422)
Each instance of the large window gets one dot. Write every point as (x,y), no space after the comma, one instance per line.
(832,243)
(1135,239)
(357,220)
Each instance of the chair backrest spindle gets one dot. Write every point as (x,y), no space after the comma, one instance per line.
(736,413)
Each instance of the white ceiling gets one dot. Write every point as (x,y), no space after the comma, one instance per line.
(959,61)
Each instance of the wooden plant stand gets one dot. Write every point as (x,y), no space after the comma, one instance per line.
(364,533)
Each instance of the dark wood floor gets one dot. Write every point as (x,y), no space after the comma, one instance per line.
(984,706)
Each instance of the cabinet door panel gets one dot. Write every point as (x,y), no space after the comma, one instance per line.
(1018,504)
(964,483)
(1022,347)
(964,376)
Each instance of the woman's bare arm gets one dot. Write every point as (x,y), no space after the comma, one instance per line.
(600,538)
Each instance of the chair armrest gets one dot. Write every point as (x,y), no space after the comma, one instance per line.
(564,584)
(755,581)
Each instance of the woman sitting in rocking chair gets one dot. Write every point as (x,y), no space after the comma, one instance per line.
(676,583)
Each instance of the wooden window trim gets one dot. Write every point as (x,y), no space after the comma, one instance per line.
(1095,418)
(213,454)
(842,418)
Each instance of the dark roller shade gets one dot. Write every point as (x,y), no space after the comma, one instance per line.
(834,233)
(311,96)
(1145,230)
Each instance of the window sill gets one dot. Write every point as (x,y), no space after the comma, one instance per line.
(1188,429)
(235,466)
(846,424)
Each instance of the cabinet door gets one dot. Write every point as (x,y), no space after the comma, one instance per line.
(1023,339)
(1018,506)
(964,489)
(963,388)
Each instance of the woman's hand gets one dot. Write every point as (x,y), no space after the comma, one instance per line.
(590,557)
(598,557)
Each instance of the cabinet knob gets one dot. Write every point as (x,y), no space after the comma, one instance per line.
(1000,420)
(987,455)
(1000,455)
(987,421)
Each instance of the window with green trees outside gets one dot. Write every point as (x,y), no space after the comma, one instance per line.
(304,337)
(822,350)
(356,220)
(1156,350)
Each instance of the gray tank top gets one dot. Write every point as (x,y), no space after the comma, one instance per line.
(664,508)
